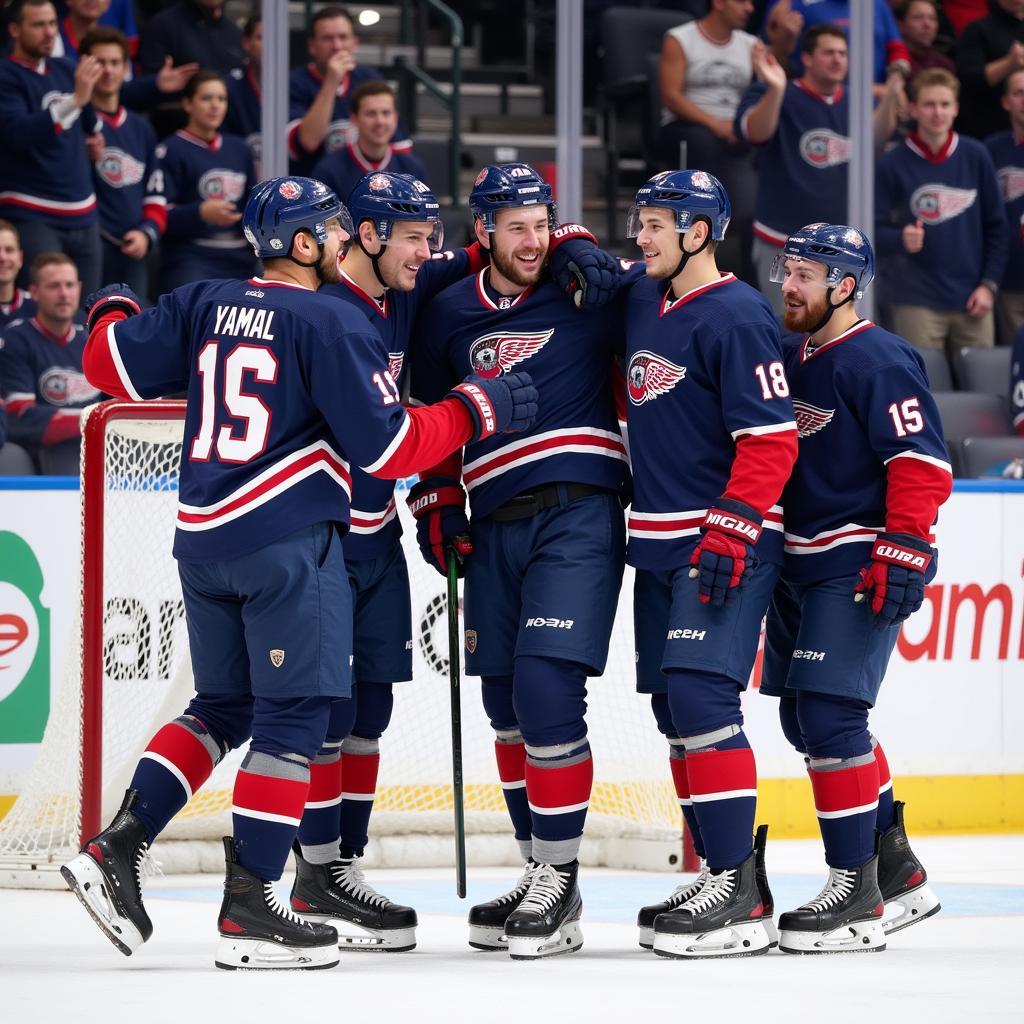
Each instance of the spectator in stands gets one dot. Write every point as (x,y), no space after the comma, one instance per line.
(245,101)
(82,16)
(375,118)
(120,14)
(319,92)
(128,182)
(1007,152)
(801,128)
(41,377)
(207,177)
(1017,382)
(940,225)
(45,180)
(786,20)
(989,49)
(919,24)
(192,31)
(705,69)
(15,302)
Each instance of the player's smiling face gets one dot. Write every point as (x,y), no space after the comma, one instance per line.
(406,251)
(659,241)
(519,244)
(10,257)
(805,294)
(330,262)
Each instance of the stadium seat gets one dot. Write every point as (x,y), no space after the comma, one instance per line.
(15,461)
(986,456)
(971,414)
(937,365)
(983,369)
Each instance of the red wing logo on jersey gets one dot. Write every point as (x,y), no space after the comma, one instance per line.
(1011,183)
(495,354)
(810,419)
(62,386)
(650,376)
(120,169)
(395,361)
(822,148)
(290,189)
(934,204)
(222,183)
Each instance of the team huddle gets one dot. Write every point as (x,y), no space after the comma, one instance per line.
(794,483)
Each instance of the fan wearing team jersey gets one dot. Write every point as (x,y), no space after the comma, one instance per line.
(289,386)
(860,509)
(543,557)
(206,177)
(15,302)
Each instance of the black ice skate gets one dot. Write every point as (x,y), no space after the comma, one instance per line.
(258,932)
(678,896)
(106,877)
(337,892)
(727,917)
(845,917)
(761,874)
(547,921)
(902,879)
(487,920)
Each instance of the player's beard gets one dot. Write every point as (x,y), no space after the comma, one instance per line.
(511,271)
(330,266)
(806,317)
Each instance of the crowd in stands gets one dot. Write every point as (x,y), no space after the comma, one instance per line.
(129,148)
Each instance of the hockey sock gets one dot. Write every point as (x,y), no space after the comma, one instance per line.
(677,764)
(269,798)
(886,817)
(846,799)
(558,783)
(510,753)
(722,777)
(177,761)
(318,833)
(360,761)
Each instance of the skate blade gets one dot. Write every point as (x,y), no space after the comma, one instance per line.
(87,882)
(646,937)
(235,954)
(567,939)
(910,908)
(750,938)
(489,940)
(856,937)
(773,932)
(355,938)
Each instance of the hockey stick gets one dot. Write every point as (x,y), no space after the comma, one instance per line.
(455,675)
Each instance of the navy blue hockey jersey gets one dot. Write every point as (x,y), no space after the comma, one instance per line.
(1008,158)
(955,195)
(469,328)
(806,159)
(245,111)
(704,378)
(343,169)
(21,307)
(1017,382)
(872,455)
(44,169)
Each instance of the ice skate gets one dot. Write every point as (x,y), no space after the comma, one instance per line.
(902,879)
(678,896)
(106,877)
(761,874)
(487,920)
(547,921)
(339,894)
(725,918)
(845,917)
(258,932)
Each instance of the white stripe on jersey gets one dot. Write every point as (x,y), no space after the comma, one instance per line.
(370,522)
(396,442)
(770,428)
(673,525)
(122,371)
(930,459)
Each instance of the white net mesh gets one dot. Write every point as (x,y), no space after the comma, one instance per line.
(147,681)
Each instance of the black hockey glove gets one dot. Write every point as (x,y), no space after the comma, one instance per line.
(581,268)
(894,578)
(438,505)
(109,298)
(504,404)
(724,558)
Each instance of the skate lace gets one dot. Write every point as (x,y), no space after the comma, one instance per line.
(350,877)
(275,906)
(146,866)
(839,885)
(546,887)
(687,890)
(716,889)
(520,887)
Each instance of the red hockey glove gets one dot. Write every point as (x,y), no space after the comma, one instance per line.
(580,267)
(724,558)
(438,506)
(109,298)
(498,404)
(894,578)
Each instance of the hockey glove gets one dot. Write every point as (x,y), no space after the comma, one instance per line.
(581,268)
(894,578)
(504,404)
(109,298)
(724,558)
(438,505)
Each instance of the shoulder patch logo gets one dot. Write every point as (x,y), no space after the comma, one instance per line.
(395,362)
(277,657)
(650,376)
(471,640)
(935,204)
(495,354)
(810,419)
(823,148)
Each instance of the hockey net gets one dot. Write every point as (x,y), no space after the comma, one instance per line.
(127,672)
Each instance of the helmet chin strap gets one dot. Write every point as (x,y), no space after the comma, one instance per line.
(830,308)
(315,264)
(374,259)
(687,256)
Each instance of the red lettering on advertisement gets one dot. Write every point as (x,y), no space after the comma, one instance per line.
(13,633)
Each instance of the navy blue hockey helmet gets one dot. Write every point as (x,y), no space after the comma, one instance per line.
(690,195)
(383,198)
(278,208)
(510,186)
(843,250)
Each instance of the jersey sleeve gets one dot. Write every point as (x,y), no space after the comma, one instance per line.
(1017,383)
(443,269)
(24,128)
(749,99)
(154,202)
(143,356)
(994,230)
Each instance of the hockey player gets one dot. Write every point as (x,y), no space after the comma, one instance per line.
(286,389)
(712,441)
(544,555)
(860,507)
